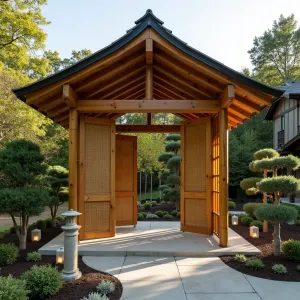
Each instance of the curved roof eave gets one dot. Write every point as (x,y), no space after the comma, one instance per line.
(148,20)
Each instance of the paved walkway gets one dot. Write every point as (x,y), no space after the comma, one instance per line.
(181,278)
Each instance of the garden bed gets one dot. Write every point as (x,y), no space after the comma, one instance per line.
(74,290)
(166,207)
(265,245)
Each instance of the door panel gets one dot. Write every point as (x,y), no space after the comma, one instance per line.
(195,174)
(126,180)
(97,178)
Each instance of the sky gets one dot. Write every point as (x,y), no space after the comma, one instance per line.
(221,29)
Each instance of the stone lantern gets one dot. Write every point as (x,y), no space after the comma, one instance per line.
(254,231)
(234,220)
(35,235)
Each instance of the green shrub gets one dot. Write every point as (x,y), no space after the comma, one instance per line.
(41,224)
(12,289)
(48,223)
(298,267)
(258,224)
(42,281)
(291,250)
(8,254)
(140,216)
(240,216)
(95,296)
(255,264)
(297,207)
(276,213)
(105,287)
(250,208)
(231,204)
(153,203)
(178,214)
(168,216)
(2,235)
(240,258)
(246,220)
(174,213)
(279,269)
(33,256)
(147,206)
(297,222)
(60,218)
(159,213)
(152,216)
(144,214)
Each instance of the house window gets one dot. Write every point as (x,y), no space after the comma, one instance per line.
(282,122)
(280,134)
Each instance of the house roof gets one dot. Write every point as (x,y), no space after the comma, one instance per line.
(291,90)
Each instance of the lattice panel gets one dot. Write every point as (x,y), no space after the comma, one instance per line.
(96,216)
(98,155)
(195,212)
(124,208)
(195,158)
(124,165)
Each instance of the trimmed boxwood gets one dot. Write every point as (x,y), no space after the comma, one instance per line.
(258,224)
(231,204)
(291,250)
(8,254)
(12,288)
(250,208)
(246,220)
(159,213)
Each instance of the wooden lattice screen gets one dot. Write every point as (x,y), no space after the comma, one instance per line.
(215,176)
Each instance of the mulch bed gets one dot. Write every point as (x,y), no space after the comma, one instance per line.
(265,245)
(74,290)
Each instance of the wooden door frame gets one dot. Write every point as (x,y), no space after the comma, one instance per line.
(183,194)
(83,120)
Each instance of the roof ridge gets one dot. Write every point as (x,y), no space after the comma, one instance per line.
(149,15)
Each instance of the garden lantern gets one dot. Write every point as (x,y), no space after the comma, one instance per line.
(234,220)
(60,256)
(35,235)
(254,231)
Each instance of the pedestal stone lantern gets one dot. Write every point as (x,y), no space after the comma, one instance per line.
(71,271)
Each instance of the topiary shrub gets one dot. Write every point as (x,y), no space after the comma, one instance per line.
(250,208)
(33,256)
(168,216)
(246,220)
(41,224)
(42,281)
(147,206)
(174,213)
(152,216)
(255,264)
(105,287)
(279,269)
(12,288)
(8,254)
(95,296)
(258,224)
(291,250)
(240,258)
(159,213)
(140,216)
(231,204)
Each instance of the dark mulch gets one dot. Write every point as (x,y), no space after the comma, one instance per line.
(74,290)
(265,245)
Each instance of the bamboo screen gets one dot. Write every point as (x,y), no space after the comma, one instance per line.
(215,175)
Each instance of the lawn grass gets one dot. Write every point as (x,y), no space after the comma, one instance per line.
(4,228)
(155,195)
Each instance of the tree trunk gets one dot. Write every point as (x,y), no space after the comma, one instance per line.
(145,185)
(277,239)
(22,240)
(265,227)
(177,205)
(159,185)
(53,222)
(151,186)
(140,185)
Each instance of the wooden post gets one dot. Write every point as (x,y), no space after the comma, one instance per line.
(73,158)
(223,123)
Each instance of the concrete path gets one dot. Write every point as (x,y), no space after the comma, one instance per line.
(182,278)
(156,239)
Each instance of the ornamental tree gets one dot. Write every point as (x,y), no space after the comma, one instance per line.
(171,177)
(21,163)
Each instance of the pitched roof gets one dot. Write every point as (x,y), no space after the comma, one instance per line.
(146,21)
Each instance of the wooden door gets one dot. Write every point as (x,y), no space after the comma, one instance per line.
(126,180)
(195,176)
(97,178)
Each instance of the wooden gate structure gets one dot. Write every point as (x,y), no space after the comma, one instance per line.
(148,70)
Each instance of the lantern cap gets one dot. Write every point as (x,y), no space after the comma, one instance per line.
(71,213)
(36,230)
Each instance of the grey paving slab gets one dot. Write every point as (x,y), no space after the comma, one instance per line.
(213,279)
(199,261)
(275,290)
(229,296)
(111,265)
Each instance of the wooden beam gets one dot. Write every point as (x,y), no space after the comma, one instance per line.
(149,82)
(223,130)
(240,112)
(69,96)
(131,106)
(227,96)
(148,128)
(73,158)
(246,104)
(149,51)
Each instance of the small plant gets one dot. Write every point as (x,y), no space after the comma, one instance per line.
(152,216)
(250,209)
(8,254)
(147,206)
(48,223)
(174,213)
(2,235)
(246,220)
(140,216)
(159,213)
(168,216)
(95,296)
(297,222)
(255,264)
(12,288)
(279,269)
(42,281)
(291,250)
(258,224)
(153,203)
(33,256)
(240,258)
(105,287)
(41,224)
(231,204)
(60,218)
(240,216)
